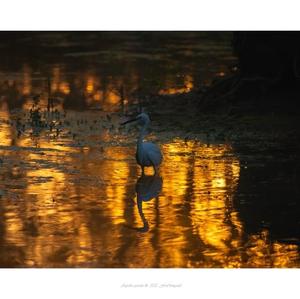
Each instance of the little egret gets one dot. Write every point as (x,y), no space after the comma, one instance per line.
(147,153)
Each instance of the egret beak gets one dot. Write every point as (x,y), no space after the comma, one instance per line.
(128,121)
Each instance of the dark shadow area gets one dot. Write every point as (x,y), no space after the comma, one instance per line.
(266,77)
(268,198)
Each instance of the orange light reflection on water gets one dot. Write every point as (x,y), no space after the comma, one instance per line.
(173,88)
(76,208)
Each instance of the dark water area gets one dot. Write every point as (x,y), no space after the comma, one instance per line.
(71,193)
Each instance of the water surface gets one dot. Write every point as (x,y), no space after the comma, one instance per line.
(71,192)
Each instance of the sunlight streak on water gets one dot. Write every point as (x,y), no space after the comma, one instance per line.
(76,206)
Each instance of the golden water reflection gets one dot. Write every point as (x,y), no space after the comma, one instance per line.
(68,206)
(172,87)
(87,89)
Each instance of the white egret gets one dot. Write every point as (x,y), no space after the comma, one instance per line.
(147,153)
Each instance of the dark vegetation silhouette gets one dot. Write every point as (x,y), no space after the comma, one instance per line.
(267,74)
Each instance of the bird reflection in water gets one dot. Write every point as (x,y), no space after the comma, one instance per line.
(147,188)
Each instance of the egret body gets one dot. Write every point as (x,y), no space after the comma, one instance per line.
(147,153)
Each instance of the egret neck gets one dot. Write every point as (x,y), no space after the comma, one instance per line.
(143,133)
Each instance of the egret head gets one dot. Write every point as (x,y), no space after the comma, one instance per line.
(142,119)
